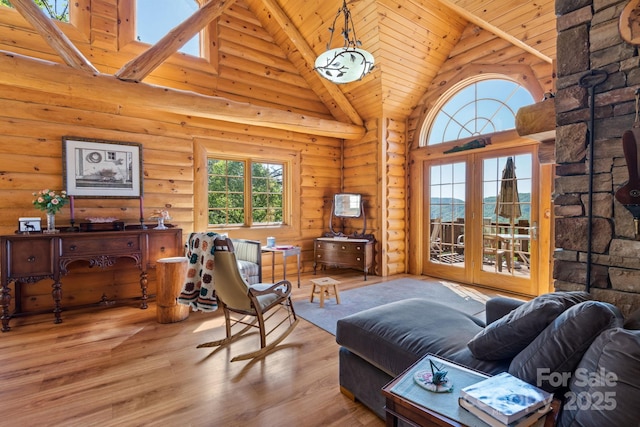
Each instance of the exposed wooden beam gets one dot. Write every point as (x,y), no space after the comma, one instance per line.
(54,37)
(493,29)
(309,56)
(537,121)
(140,67)
(22,71)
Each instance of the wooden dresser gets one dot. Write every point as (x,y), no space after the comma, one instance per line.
(29,258)
(349,253)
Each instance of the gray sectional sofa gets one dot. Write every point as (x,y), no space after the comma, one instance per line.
(558,335)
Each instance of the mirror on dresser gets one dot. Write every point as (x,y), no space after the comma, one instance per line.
(339,249)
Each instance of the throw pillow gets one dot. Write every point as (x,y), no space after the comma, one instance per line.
(509,335)
(633,321)
(556,352)
(605,387)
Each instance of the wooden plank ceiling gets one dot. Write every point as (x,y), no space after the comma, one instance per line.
(410,40)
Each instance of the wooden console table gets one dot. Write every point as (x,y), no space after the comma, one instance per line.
(350,253)
(34,257)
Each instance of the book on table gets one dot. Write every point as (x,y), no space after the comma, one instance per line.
(533,419)
(505,397)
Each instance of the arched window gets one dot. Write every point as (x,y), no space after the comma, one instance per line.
(479,108)
(153,22)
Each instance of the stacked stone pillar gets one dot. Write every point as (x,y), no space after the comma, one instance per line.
(589,39)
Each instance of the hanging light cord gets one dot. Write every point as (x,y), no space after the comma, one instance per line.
(348,28)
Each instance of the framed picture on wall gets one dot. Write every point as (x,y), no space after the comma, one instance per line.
(95,168)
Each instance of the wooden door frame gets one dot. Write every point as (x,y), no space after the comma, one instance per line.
(457,274)
(507,282)
(417,245)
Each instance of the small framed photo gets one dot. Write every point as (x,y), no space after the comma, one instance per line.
(95,168)
(28,225)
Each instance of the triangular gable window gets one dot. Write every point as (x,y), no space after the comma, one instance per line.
(154,19)
(55,9)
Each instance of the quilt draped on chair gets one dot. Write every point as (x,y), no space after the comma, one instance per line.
(198,289)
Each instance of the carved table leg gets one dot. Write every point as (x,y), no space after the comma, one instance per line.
(143,287)
(6,300)
(56,293)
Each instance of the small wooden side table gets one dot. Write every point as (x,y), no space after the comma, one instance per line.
(170,273)
(407,401)
(285,251)
(323,287)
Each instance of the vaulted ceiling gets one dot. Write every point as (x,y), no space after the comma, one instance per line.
(415,44)
(410,40)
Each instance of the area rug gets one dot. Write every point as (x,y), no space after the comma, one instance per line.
(359,299)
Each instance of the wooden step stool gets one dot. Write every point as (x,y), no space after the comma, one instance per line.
(323,287)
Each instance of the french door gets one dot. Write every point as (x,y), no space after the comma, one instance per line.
(482,219)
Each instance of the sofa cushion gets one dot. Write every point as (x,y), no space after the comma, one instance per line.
(605,387)
(633,321)
(395,335)
(556,352)
(498,307)
(509,335)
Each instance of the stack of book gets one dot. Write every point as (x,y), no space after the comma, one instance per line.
(504,400)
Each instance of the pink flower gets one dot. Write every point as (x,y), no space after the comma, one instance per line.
(50,201)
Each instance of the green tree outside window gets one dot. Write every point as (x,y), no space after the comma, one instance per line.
(232,193)
(58,10)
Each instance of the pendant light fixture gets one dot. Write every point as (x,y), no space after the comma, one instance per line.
(348,63)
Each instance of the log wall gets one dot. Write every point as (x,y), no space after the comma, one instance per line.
(394,200)
(33,122)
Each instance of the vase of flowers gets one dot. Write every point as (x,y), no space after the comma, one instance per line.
(50,202)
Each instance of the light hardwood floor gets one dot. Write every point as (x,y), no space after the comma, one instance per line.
(117,366)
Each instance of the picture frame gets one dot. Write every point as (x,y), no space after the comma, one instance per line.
(29,225)
(101,169)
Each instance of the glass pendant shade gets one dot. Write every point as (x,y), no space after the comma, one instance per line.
(344,64)
(348,63)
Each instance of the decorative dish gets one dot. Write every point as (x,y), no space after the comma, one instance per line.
(99,220)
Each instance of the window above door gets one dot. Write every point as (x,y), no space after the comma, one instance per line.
(480,107)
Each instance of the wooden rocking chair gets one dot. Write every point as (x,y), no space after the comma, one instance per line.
(250,301)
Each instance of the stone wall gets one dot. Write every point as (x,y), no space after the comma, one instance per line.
(589,40)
